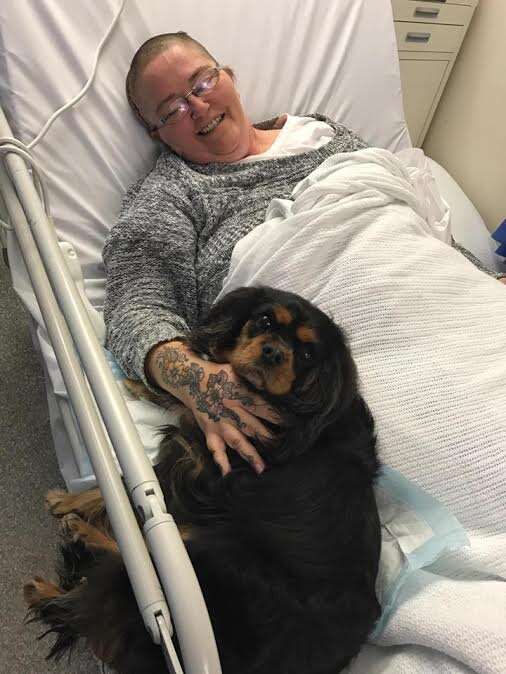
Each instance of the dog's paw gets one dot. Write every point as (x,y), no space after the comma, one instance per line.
(73,527)
(38,589)
(58,502)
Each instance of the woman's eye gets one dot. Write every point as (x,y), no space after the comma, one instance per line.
(202,86)
(264,322)
(165,118)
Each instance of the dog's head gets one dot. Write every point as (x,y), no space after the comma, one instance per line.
(288,350)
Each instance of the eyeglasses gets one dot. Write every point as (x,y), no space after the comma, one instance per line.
(178,107)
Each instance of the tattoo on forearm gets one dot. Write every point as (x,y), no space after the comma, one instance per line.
(178,371)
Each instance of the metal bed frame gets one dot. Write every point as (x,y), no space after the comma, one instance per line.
(106,424)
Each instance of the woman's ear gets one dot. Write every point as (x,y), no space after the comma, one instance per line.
(230,73)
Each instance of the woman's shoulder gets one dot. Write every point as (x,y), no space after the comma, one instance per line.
(345,138)
(162,178)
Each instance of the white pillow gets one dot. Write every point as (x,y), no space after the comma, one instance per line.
(330,57)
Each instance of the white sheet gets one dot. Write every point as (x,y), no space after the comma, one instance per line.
(364,238)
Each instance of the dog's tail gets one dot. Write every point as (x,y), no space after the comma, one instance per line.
(93,602)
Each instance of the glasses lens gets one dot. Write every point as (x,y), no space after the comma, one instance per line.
(178,108)
(174,111)
(206,82)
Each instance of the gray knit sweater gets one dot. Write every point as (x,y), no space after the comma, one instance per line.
(168,254)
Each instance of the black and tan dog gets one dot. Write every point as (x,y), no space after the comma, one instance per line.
(287,560)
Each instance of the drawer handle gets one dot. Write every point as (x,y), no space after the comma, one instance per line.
(427,12)
(418,37)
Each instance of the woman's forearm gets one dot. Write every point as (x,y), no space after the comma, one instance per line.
(168,366)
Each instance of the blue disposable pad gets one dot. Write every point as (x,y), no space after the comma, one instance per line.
(415,530)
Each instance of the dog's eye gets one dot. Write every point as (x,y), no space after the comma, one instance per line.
(264,322)
(306,353)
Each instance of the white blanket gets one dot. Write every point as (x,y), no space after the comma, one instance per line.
(365,238)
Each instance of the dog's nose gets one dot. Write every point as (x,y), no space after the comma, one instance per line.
(272,355)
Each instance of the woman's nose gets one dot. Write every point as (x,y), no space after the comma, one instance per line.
(198,106)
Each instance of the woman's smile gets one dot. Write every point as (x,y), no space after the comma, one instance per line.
(212,125)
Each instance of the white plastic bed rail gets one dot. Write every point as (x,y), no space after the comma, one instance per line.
(96,401)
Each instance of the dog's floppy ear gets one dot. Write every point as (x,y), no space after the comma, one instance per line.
(342,380)
(222,325)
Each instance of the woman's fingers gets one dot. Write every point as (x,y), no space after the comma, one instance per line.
(256,406)
(218,449)
(238,442)
(252,426)
(264,411)
(234,439)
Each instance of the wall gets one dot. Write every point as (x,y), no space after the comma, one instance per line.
(468,132)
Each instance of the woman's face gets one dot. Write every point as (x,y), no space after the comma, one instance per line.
(172,74)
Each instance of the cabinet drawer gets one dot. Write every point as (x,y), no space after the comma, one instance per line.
(428,37)
(431,12)
(421,81)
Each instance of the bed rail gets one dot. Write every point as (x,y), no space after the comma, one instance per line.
(105,424)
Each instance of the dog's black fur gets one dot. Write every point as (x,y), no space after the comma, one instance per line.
(287,561)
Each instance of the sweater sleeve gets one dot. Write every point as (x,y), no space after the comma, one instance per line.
(149,259)
(477,263)
(349,141)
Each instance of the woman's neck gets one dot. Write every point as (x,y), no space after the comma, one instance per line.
(262,139)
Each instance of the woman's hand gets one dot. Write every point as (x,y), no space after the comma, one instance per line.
(227,412)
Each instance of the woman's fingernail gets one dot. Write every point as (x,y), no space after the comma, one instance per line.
(259,467)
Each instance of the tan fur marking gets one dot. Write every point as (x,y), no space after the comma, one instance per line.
(283,316)
(280,379)
(247,350)
(38,589)
(306,334)
(244,356)
(77,529)
(247,355)
(86,503)
(185,531)
(192,456)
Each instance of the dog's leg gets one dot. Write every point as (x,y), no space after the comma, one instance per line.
(38,589)
(90,504)
(74,528)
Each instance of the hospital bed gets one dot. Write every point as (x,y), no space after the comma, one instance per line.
(337,58)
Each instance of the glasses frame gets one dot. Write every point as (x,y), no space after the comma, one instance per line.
(185,97)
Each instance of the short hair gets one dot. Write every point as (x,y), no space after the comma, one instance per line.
(146,53)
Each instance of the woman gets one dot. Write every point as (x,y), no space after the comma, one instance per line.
(169,252)
(167,256)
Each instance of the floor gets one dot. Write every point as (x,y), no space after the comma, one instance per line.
(27,470)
